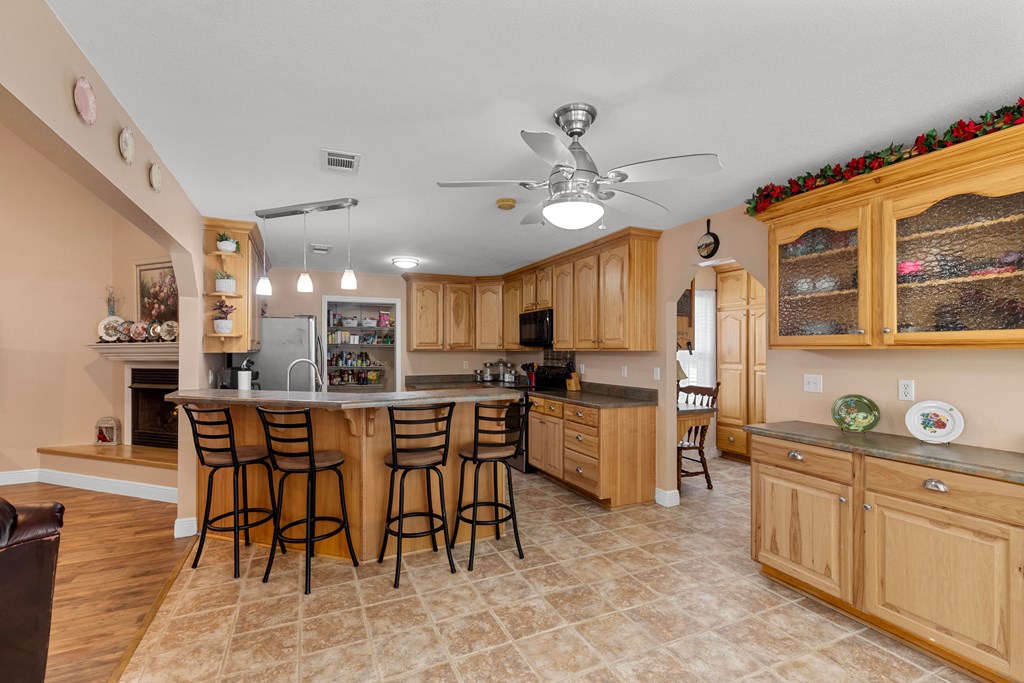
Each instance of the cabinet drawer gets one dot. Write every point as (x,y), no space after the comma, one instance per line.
(582,438)
(998,500)
(814,460)
(583,415)
(731,439)
(549,407)
(581,471)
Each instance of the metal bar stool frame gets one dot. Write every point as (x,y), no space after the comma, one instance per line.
(212,456)
(413,458)
(514,437)
(276,445)
(695,436)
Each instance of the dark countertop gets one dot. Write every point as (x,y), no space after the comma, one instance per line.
(984,462)
(339,401)
(590,399)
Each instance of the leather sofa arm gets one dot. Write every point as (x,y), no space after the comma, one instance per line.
(29,522)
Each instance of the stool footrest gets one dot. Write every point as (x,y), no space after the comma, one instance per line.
(269,516)
(342,525)
(485,506)
(439,528)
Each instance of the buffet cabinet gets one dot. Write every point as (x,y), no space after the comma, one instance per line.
(605,453)
(928,252)
(933,556)
(245,266)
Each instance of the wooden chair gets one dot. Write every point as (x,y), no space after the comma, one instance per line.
(693,440)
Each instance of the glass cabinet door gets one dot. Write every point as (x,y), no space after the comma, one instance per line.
(821,280)
(955,270)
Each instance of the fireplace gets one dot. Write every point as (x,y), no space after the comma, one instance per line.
(153,422)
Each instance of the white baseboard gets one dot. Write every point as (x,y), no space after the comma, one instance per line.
(19,477)
(669,499)
(118,487)
(185,526)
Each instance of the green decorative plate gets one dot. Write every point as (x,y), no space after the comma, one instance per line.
(855,413)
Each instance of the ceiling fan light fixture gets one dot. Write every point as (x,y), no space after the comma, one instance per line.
(405,262)
(574,212)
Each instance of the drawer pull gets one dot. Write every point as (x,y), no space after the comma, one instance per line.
(867,506)
(731,439)
(579,470)
(795,455)
(887,330)
(936,485)
(579,437)
(579,413)
(842,500)
(551,407)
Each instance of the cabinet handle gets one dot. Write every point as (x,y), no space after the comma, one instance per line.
(858,331)
(842,500)
(795,455)
(886,330)
(867,506)
(732,439)
(579,470)
(579,437)
(936,485)
(551,407)
(579,413)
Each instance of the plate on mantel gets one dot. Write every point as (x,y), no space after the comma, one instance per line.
(108,327)
(934,421)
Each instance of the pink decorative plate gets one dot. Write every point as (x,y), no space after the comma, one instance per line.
(85,101)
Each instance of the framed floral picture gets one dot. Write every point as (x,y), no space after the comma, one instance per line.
(157,295)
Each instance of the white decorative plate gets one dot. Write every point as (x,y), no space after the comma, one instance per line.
(108,327)
(169,330)
(85,101)
(155,177)
(126,144)
(935,421)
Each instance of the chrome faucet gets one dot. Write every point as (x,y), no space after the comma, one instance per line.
(318,382)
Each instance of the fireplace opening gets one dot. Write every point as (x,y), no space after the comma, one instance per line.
(154,422)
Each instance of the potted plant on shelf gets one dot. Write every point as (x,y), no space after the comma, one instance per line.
(224,282)
(226,243)
(221,323)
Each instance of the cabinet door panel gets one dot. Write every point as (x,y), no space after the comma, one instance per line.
(427,333)
(951,578)
(585,303)
(561,299)
(512,298)
(458,321)
(732,289)
(757,359)
(489,315)
(804,529)
(529,291)
(613,290)
(543,299)
(732,369)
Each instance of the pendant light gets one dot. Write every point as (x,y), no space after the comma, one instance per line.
(263,286)
(348,278)
(305,283)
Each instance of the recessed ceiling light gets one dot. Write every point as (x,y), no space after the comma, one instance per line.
(405,261)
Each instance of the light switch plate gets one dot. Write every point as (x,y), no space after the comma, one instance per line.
(813,384)
(657,373)
(625,370)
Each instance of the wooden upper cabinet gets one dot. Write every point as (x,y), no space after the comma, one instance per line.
(529,291)
(732,288)
(543,295)
(757,295)
(613,307)
(458,316)
(512,306)
(426,315)
(489,315)
(585,302)
(561,300)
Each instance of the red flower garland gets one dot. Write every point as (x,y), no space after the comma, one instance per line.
(961,131)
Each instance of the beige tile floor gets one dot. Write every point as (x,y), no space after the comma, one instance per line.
(642,594)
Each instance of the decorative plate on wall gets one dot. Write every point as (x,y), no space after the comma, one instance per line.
(855,413)
(155,177)
(126,145)
(934,421)
(85,101)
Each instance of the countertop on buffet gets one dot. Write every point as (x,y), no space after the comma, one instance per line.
(587,397)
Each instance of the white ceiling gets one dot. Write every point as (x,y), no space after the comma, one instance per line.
(239,97)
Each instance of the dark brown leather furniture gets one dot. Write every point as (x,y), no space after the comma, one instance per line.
(29,539)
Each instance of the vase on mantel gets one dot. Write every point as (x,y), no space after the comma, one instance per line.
(223,326)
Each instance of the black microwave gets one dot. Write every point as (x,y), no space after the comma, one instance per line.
(536,328)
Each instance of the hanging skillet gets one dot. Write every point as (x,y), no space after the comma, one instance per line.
(707,245)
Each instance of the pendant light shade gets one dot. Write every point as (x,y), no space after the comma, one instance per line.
(348,278)
(263,286)
(305,283)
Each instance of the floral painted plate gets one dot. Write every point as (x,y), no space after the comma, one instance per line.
(138,331)
(108,328)
(855,413)
(169,330)
(934,421)
(124,330)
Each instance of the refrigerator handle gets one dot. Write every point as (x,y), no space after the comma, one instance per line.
(320,362)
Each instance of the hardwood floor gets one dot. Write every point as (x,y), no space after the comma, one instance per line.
(116,554)
(166,458)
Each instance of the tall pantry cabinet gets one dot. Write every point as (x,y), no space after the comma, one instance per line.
(742,336)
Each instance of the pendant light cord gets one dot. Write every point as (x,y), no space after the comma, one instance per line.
(348,212)
(263,223)
(304,214)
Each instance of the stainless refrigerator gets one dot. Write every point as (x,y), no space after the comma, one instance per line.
(285,340)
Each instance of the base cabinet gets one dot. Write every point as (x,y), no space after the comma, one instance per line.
(545,444)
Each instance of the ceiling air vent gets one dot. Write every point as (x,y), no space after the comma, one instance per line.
(320,248)
(340,162)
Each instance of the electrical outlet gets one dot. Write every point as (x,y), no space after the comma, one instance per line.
(582,368)
(625,370)
(813,384)
(465,365)
(905,390)
(657,374)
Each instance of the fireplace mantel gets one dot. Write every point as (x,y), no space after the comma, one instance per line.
(138,352)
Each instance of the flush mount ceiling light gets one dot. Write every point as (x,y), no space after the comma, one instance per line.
(348,278)
(405,261)
(572,212)
(305,283)
(263,286)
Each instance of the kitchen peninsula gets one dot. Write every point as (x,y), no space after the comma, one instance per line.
(358,426)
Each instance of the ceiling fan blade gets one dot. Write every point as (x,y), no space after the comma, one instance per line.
(534,215)
(633,204)
(482,183)
(668,168)
(549,148)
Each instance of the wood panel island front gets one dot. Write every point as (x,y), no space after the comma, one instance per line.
(358,426)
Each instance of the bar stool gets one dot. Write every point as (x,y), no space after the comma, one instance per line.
(510,444)
(214,436)
(289,435)
(693,440)
(415,431)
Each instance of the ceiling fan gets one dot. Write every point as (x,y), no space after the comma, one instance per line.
(578,193)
